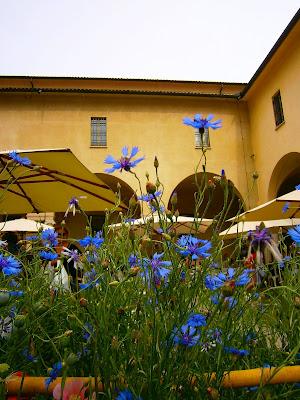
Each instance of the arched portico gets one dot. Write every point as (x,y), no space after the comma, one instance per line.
(213,200)
(285,175)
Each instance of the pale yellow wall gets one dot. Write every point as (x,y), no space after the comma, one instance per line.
(270,144)
(153,123)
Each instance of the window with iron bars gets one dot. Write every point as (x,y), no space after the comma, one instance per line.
(202,139)
(98,132)
(277,108)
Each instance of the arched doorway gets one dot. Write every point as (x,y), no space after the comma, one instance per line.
(285,176)
(213,197)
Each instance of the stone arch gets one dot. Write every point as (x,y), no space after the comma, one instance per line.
(186,200)
(285,175)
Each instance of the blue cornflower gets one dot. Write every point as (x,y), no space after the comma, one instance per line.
(125,162)
(53,373)
(297,187)
(48,255)
(259,236)
(194,247)
(72,255)
(16,293)
(159,272)
(90,278)
(32,237)
(214,282)
(14,283)
(227,300)
(72,206)
(92,241)
(149,197)
(49,238)
(215,334)
(236,352)
(133,260)
(87,331)
(203,123)
(9,265)
(285,207)
(18,159)
(196,320)
(186,336)
(295,234)
(127,395)
(30,357)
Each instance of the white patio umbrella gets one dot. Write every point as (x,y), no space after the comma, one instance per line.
(245,226)
(182,225)
(272,210)
(23,225)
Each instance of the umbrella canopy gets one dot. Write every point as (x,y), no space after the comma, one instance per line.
(273,209)
(23,225)
(49,182)
(243,227)
(182,225)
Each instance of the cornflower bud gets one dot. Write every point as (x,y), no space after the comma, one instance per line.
(83,302)
(297,302)
(114,283)
(228,288)
(105,263)
(119,186)
(176,213)
(131,234)
(115,342)
(169,214)
(174,199)
(156,163)
(147,175)
(4,298)
(150,187)
(213,393)
(4,368)
(71,359)
(134,270)
(20,320)
(166,236)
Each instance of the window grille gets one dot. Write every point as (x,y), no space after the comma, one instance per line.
(98,131)
(202,139)
(277,107)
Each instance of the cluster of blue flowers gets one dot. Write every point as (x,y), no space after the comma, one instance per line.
(92,241)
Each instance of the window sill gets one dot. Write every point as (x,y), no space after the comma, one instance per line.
(278,126)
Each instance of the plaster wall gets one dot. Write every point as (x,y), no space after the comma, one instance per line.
(269,143)
(153,123)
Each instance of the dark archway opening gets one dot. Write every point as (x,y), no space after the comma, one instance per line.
(213,199)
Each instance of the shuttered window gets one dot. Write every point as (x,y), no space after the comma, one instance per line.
(277,107)
(202,140)
(98,131)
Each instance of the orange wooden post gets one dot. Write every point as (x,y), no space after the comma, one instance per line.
(34,385)
(232,379)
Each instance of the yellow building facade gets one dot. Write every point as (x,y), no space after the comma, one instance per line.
(44,112)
